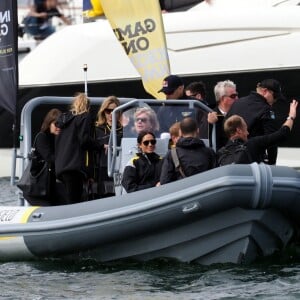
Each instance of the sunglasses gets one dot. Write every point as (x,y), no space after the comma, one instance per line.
(193,95)
(108,111)
(143,120)
(233,96)
(152,142)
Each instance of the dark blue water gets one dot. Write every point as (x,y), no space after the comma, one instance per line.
(277,277)
(155,280)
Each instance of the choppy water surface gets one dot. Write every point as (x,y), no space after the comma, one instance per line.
(155,280)
(276,278)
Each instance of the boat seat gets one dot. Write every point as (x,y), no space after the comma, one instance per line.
(128,150)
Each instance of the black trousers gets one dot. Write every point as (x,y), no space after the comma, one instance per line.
(73,181)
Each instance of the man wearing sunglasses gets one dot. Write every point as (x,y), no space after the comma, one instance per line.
(225,95)
(173,88)
(256,110)
(196,90)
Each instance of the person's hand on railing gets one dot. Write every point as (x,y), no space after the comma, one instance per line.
(212,117)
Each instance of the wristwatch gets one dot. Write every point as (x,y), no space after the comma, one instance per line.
(290,118)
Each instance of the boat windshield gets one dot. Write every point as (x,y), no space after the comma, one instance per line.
(157,117)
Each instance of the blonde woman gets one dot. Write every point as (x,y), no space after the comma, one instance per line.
(71,147)
(102,134)
(144,119)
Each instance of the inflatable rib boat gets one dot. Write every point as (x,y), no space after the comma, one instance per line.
(234,213)
(229,214)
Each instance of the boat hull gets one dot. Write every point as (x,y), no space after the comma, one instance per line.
(228,214)
(234,236)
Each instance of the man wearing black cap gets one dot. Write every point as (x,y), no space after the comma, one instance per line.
(256,110)
(173,88)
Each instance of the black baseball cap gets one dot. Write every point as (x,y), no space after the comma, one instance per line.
(170,84)
(272,85)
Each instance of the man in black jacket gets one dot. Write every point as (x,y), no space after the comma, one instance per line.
(236,129)
(256,110)
(193,156)
(196,90)
(173,88)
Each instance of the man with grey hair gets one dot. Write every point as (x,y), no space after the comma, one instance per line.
(226,95)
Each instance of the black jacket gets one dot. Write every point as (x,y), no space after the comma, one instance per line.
(259,116)
(194,158)
(102,135)
(257,144)
(44,150)
(201,119)
(44,145)
(73,142)
(52,12)
(142,172)
(221,138)
(168,115)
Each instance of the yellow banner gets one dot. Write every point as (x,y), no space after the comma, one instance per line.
(138,26)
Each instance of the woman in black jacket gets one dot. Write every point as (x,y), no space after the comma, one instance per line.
(72,146)
(44,149)
(143,170)
(105,187)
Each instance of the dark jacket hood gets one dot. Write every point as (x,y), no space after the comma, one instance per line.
(64,120)
(189,142)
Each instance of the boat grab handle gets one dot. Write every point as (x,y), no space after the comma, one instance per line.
(191,207)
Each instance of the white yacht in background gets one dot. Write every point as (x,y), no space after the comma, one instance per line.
(238,40)
(204,41)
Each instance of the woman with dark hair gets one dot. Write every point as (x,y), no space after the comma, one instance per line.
(72,146)
(44,148)
(103,125)
(143,170)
